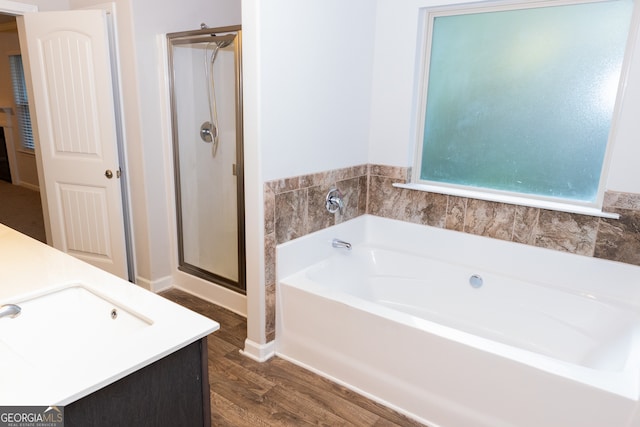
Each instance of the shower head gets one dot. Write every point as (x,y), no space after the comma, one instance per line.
(217,45)
(223,40)
(223,43)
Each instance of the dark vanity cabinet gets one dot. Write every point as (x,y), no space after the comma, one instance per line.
(171,392)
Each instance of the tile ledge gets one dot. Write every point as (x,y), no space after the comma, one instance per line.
(510,199)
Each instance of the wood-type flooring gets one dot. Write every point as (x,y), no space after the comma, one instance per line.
(274,393)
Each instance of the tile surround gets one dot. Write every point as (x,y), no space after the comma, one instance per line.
(295,207)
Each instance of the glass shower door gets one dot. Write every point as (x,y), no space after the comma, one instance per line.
(207,147)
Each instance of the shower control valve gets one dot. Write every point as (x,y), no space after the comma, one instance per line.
(333,201)
(208,132)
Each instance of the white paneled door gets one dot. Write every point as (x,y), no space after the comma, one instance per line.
(67,58)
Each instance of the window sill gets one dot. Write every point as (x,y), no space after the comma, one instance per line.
(509,199)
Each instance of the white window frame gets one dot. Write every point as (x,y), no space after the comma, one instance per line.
(426,28)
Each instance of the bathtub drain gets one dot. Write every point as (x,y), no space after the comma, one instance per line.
(475,281)
(114,313)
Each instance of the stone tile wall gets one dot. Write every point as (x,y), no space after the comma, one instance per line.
(295,207)
(613,239)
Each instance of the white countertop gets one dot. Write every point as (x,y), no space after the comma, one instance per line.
(29,269)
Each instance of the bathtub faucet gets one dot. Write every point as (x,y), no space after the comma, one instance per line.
(337,243)
(9,310)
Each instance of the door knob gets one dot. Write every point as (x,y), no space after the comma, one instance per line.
(108,174)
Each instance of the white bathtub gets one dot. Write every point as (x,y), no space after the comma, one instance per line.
(548,339)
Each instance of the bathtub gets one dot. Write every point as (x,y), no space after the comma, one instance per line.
(458,330)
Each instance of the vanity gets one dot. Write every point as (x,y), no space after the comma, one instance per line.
(107,351)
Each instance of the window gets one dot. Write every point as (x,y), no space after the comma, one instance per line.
(519,100)
(22,101)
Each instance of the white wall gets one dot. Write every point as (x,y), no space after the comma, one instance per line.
(316,65)
(393,110)
(44,5)
(393,83)
(624,174)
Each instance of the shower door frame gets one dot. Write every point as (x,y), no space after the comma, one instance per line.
(201,36)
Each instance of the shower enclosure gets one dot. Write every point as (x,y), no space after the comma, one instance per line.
(206,106)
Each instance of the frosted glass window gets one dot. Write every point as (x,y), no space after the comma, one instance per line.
(521,101)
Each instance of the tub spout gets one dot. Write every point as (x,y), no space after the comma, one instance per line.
(337,243)
(9,310)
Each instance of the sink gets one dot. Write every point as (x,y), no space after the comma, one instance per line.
(71,321)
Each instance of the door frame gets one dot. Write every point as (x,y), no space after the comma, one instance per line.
(202,36)
(15,8)
(18,9)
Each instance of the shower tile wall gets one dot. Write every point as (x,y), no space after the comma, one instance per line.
(295,207)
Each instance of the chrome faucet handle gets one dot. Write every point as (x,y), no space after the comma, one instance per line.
(333,201)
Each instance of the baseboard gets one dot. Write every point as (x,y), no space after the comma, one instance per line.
(155,286)
(211,292)
(26,185)
(259,352)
